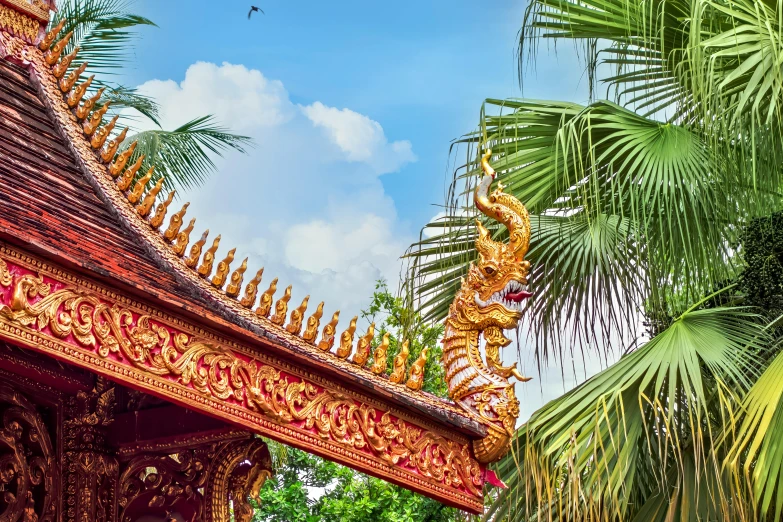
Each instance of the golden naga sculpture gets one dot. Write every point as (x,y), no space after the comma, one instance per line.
(175,223)
(297,317)
(251,290)
(235,284)
(183,237)
(346,340)
(489,302)
(313,322)
(363,346)
(399,370)
(223,268)
(281,307)
(160,211)
(379,362)
(327,337)
(195,251)
(416,379)
(265,305)
(205,268)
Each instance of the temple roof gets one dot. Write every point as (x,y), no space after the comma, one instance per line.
(59,198)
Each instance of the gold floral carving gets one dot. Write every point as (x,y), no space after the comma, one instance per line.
(19,24)
(117,333)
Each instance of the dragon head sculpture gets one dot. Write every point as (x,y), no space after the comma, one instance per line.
(489,302)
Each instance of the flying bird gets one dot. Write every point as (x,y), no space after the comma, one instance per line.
(254,8)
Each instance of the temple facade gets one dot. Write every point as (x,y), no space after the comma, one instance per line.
(140,362)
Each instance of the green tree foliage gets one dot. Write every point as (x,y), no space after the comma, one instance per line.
(307,488)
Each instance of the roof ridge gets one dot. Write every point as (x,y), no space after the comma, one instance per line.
(135,202)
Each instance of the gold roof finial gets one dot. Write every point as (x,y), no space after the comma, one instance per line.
(223,268)
(83,110)
(183,237)
(175,223)
(265,304)
(53,54)
(160,212)
(281,307)
(121,160)
(416,379)
(99,138)
(149,200)
(107,154)
(251,290)
(235,284)
(61,68)
(297,317)
(138,189)
(195,250)
(125,181)
(327,337)
(313,322)
(346,340)
(47,40)
(69,80)
(75,96)
(205,268)
(398,372)
(95,119)
(379,361)
(363,346)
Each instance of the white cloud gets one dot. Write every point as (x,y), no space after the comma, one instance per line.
(306,206)
(360,138)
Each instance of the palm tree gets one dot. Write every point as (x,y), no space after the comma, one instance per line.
(639,203)
(104,31)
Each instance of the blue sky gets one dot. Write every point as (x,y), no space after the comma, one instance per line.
(353,106)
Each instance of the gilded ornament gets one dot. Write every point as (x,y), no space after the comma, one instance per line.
(5,275)
(416,379)
(398,371)
(148,202)
(160,212)
(223,268)
(379,361)
(297,317)
(183,237)
(53,54)
(125,181)
(313,322)
(76,94)
(18,24)
(346,340)
(235,284)
(47,40)
(488,302)
(108,152)
(70,79)
(175,223)
(138,189)
(61,68)
(363,346)
(99,138)
(205,268)
(95,119)
(83,110)
(281,307)
(327,336)
(265,303)
(195,251)
(251,290)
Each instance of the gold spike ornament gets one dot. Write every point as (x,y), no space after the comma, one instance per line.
(251,290)
(160,212)
(125,181)
(181,242)
(281,307)
(195,251)
(107,154)
(53,54)
(235,284)
(327,337)
(61,68)
(205,268)
(265,304)
(84,110)
(94,120)
(313,322)
(416,379)
(363,346)
(379,357)
(346,340)
(149,200)
(76,94)
(99,138)
(175,223)
(138,190)
(69,80)
(223,268)
(51,35)
(399,370)
(297,317)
